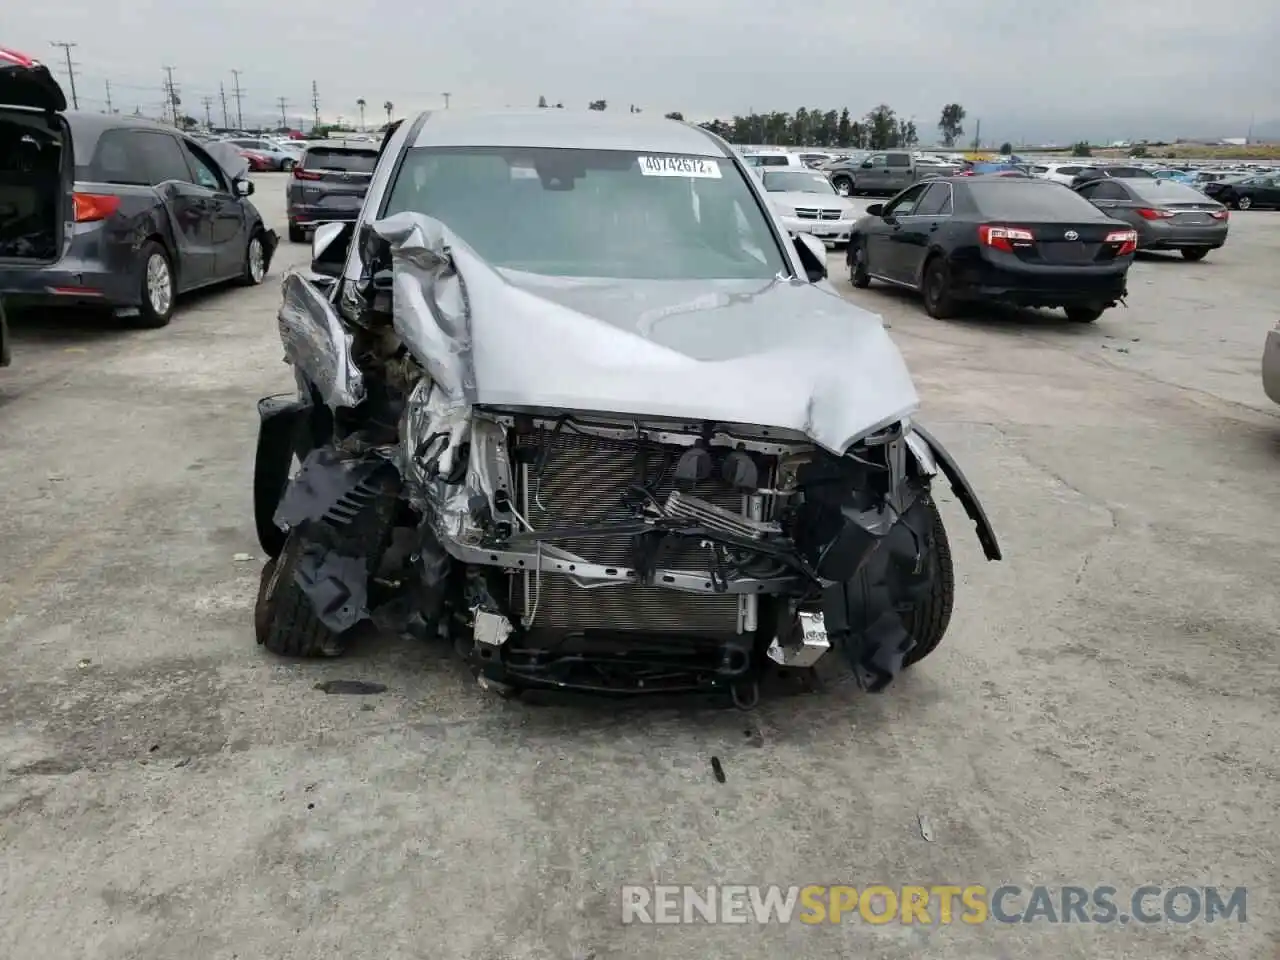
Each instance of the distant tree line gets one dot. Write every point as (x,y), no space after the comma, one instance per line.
(879,129)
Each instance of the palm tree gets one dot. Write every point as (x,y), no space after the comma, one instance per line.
(388,106)
(361,104)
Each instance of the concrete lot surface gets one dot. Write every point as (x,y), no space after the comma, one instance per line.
(1104,710)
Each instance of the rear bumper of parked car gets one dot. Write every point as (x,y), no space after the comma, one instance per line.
(72,282)
(1271,365)
(1169,236)
(830,231)
(1037,285)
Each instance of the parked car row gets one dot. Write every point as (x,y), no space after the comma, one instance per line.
(112,212)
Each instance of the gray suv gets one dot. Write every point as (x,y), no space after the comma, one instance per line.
(328,184)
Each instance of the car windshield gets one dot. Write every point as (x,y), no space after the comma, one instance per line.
(797,183)
(1031,201)
(347,161)
(1165,191)
(593,213)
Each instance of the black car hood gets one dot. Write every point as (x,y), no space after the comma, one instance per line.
(27,83)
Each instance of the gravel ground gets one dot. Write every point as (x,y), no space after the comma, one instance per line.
(1103,710)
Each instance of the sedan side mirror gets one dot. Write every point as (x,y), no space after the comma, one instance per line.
(875,210)
(329,246)
(244,187)
(813,256)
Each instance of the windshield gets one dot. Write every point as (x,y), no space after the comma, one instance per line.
(335,158)
(1031,201)
(1165,191)
(797,183)
(593,213)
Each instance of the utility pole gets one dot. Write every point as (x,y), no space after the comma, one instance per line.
(173,96)
(109,110)
(71,69)
(977,135)
(315,101)
(222,92)
(284,122)
(446,99)
(239,96)
(208,105)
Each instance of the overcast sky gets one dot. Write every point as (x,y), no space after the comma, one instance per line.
(1041,69)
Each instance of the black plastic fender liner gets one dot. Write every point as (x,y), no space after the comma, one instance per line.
(863,615)
(281,421)
(964,493)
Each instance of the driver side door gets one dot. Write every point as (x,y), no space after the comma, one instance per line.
(227,219)
(887,254)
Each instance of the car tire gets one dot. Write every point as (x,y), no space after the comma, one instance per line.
(858,274)
(935,289)
(1242,203)
(297,234)
(286,166)
(255,261)
(928,619)
(1083,314)
(1195,253)
(284,618)
(843,186)
(159,291)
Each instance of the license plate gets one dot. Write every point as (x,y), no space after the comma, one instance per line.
(344,203)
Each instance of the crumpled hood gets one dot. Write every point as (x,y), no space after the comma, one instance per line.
(783,354)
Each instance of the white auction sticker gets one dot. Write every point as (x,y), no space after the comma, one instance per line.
(679,167)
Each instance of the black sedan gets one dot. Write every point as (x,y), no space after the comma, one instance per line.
(1024,242)
(1246,193)
(115,212)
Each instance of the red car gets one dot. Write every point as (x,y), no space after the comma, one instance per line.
(258,162)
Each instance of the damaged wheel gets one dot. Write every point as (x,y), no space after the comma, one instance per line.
(289,620)
(895,611)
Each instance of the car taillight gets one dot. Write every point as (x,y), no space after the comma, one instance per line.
(1127,239)
(300,174)
(1220,214)
(1003,238)
(1149,213)
(93,206)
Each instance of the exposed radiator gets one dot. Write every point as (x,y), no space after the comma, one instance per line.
(584,480)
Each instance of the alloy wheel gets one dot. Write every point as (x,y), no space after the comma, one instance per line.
(257,261)
(159,284)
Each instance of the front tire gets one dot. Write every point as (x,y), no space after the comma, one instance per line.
(159,288)
(1083,314)
(1195,253)
(255,261)
(936,290)
(286,166)
(1242,203)
(843,186)
(928,620)
(297,234)
(858,274)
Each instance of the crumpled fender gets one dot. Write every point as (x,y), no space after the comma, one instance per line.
(943,461)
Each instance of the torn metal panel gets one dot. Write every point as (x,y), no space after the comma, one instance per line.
(317,344)
(786,354)
(327,487)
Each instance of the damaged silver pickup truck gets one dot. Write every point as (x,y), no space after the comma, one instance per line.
(571,399)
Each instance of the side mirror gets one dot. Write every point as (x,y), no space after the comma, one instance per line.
(813,256)
(329,246)
(244,187)
(875,210)
(867,164)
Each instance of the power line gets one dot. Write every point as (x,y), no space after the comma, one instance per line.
(239,95)
(71,71)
